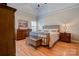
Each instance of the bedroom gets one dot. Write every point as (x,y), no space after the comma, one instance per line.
(51,29)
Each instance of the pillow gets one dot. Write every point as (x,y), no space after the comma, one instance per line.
(46,30)
(54,30)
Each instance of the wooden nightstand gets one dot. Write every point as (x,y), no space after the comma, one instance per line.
(65,37)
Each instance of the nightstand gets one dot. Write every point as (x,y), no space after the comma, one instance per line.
(65,37)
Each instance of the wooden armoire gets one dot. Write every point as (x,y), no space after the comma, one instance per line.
(7,31)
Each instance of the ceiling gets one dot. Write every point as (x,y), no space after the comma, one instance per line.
(33,9)
(24,8)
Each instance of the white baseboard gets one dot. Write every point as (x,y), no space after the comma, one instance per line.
(75,41)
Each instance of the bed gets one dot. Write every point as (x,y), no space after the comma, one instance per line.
(53,31)
(49,35)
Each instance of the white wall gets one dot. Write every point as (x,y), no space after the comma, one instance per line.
(68,16)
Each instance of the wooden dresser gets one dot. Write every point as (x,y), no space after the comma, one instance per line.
(65,37)
(21,34)
(7,30)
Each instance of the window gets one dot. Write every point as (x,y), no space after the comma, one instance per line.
(33,25)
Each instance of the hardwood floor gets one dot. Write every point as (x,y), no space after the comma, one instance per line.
(60,49)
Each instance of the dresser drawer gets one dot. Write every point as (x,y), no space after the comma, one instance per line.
(65,37)
(21,34)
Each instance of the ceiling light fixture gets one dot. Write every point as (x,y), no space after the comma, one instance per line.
(39,4)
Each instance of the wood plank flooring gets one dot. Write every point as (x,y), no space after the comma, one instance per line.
(60,49)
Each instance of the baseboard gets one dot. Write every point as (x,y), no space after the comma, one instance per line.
(75,41)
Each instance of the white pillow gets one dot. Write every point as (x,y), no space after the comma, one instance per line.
(46,30)
(53,30)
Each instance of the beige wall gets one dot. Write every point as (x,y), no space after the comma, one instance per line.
(68,16)
(22,16)
(25,11)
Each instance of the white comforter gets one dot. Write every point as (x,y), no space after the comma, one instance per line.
(54,37)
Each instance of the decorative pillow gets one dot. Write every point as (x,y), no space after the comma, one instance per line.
(46,30)
(54,30)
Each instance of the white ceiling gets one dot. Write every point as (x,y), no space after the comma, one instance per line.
(33,9)
(25,8)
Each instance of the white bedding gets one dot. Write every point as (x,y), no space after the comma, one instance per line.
(53,38)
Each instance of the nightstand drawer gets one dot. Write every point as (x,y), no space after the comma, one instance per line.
(65,37)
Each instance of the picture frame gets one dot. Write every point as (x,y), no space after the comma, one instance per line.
(22,24)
